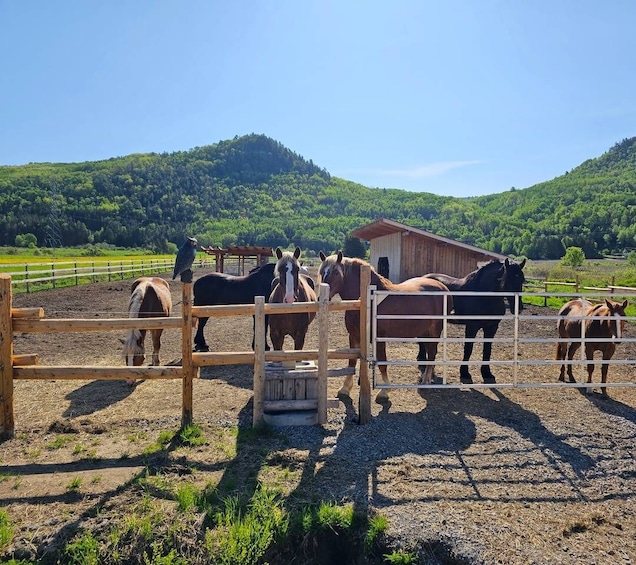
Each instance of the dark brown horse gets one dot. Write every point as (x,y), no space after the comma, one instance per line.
(609,328)
(150,298)
(342,274)
(290,286)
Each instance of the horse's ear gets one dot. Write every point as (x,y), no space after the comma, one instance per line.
(507,263)
(339,256)
(322,256)
(522,264)
(625,304)
(279,252)
(297,252)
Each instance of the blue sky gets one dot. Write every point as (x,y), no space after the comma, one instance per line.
(453,97)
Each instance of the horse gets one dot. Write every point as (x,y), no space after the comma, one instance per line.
(495,276)
(220,288)
(290,285)
(610,328)
(342,274)
(150,298)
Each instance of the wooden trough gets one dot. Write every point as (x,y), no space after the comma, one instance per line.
(291,393)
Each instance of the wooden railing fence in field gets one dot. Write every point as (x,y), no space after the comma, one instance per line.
(33,276)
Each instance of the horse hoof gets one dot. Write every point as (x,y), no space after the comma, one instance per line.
(489,380)
(201,349)
(344,392)
(466,379)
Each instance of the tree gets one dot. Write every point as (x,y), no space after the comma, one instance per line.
(574,257)
(353,247)
(26,240)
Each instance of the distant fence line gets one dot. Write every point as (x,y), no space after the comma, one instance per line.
(577,287)
(34,276)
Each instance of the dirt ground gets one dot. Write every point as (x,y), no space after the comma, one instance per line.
(511,475)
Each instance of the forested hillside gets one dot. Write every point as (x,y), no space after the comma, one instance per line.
(253,191)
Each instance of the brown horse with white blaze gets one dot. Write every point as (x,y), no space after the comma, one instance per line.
(290,285)
(342,274)
(604,321)
(150,298)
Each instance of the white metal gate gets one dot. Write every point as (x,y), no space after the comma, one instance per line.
(517,366)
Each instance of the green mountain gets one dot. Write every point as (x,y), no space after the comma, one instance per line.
(251,190)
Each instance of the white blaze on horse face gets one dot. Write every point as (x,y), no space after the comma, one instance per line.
(619,326)
(289,284)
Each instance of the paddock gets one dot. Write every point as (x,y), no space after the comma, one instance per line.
(517,474)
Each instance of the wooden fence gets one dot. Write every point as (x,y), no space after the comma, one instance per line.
(18,367)
(33,276)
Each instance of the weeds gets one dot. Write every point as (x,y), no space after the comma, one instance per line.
(6,529)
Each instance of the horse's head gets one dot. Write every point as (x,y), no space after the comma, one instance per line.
(617,318)
(512,280)
(134,351)
(331,272)
(287,269)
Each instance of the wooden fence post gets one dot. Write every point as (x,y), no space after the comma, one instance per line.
(364,402)
(323,346)
(259,361)
(7,423)
(186,351)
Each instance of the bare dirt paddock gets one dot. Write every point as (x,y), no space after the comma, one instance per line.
(464,476)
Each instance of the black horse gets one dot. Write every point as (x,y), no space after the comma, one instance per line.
(220,288)
(495,276)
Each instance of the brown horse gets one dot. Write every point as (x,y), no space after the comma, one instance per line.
(342,274)
(289,285)
(609,329)
(150,298)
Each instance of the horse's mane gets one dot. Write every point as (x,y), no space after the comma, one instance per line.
(134,305)
(353,264)
(478,274)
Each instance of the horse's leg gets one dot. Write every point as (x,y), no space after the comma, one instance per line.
(589,355)
(574,347)
(199,338)
(608,353)
(156,345)
(345,389)
(489,333)
(383,395)
(471,332)
(299,339)
(254,332)
(561,351)
(429,372)
(277,337)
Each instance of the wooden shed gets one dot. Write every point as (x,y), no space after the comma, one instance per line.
(399,251)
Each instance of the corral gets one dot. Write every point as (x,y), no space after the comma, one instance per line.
(513,475)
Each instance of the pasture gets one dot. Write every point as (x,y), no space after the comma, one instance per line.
(463,476)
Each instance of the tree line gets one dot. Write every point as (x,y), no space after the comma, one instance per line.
(251,190)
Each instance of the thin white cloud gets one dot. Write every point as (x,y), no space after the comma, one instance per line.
(429,170)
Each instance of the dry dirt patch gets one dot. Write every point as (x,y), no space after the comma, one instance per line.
(509,476)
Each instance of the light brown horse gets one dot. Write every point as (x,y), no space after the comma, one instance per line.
(150,298)
(342,274)
(610,328)
(289,285)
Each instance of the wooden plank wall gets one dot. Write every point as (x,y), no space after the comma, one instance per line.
(421,255)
